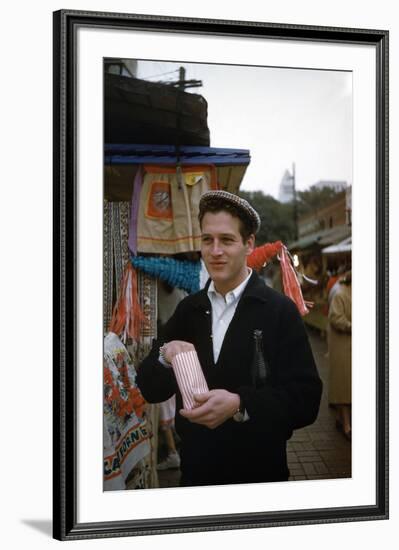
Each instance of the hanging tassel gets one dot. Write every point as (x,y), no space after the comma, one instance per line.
(291,285)
(128,317)
(263,254)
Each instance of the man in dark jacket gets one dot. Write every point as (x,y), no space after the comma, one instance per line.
(255,355)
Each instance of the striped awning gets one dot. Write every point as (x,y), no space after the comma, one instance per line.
(322,238)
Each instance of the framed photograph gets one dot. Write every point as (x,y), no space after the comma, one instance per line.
(292,119)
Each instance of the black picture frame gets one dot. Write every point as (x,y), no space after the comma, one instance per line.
(65,337)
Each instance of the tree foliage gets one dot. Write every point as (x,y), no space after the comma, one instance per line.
(277,219)
(315,198)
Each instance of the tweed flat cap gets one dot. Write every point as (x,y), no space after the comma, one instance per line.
(241,204)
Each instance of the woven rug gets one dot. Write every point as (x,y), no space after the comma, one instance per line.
(108,269)
(145,475)
(126,431)
(148,297)
(134,210)
(116,252)
(120,237)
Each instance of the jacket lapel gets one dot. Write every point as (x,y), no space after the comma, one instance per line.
(203,327)
(239,335)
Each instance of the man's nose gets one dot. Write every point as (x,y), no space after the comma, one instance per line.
(216,249)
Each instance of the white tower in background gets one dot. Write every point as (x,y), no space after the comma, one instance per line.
(286,189)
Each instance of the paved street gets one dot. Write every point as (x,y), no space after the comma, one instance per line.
(316,452)
(320,451)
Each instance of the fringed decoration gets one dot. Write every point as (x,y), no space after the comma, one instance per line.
(178,273)
(292,288)
(263,254)
(127,317)
(291,285)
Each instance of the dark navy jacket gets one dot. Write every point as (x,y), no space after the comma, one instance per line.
(255,450)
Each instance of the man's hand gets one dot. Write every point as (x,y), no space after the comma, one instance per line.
(214,408)
(170,349)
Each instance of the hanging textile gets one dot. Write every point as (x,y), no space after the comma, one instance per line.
(108,271)
(148,299)
(116,253)
(291,286)
(147,288)
(126,435)
(182,274)
(128,319)
(146,477)
(134,210)
(168,213)
(120,236)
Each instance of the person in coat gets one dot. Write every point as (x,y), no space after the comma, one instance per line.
(340,353)
(239,430)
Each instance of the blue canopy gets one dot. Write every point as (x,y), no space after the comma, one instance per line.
(166,154)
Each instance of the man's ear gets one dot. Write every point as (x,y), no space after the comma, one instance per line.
(250,244)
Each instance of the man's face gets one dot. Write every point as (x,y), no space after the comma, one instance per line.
(223,250)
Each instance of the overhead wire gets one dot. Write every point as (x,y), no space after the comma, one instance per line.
(162,74)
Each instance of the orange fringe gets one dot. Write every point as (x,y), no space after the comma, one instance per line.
(128,317)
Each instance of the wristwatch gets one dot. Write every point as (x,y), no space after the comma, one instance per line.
(162,354)
(239,415)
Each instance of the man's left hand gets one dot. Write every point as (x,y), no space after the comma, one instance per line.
(214,408)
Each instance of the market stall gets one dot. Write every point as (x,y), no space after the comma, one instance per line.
(151,234)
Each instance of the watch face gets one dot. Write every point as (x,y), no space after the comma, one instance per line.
(238,416)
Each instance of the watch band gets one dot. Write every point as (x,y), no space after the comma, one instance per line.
(239,415)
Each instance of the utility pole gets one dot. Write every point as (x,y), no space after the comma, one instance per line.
(295,202)
(182,77)
(182,84)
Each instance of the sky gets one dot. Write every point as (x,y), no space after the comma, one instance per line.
(282,115)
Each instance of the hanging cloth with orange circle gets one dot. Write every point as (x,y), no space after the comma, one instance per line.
(168,213)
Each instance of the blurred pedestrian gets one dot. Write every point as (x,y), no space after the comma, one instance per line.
(168,298)
(334,281)
(340,347)
(167,410)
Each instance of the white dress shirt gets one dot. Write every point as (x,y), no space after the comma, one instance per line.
(223,309)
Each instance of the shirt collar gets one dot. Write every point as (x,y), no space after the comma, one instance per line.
(232,295)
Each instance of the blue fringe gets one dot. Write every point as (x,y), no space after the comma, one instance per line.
(178,273)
